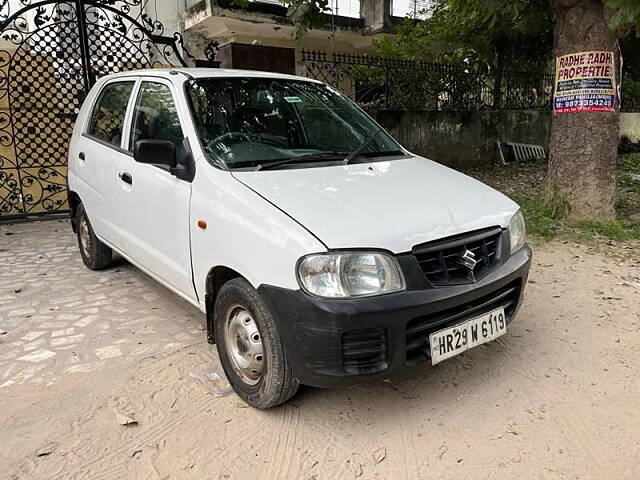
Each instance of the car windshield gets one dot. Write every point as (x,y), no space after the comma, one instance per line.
(266,123)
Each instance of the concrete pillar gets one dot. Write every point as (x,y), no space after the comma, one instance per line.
(376,15)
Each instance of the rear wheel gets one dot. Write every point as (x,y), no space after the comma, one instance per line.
(95,254)
(251,352)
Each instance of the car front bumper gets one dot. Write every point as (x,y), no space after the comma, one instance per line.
(337,342)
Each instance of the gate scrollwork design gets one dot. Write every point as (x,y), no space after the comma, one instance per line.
(51,53)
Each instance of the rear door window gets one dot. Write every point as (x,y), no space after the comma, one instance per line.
(107,118)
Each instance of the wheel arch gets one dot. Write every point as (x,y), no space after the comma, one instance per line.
(74,202)
(215,280)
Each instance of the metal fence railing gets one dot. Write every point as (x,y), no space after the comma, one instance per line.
(376,82)
(630,105)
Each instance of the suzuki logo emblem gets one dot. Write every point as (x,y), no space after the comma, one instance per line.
(467,259)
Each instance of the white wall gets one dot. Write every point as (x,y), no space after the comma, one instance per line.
(346,8)
(630,126)
(168,12)
(407,8)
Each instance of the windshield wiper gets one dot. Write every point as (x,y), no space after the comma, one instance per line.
(311,157)
(362,146)
(389,153)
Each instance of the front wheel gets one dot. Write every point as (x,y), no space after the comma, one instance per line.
(250,348)
(95,254)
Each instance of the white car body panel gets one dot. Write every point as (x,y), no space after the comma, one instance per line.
(153,216)
(153,212)
(96,173)
(261,223)
(393,205)
(244,232)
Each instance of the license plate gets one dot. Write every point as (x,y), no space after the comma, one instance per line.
(449,342)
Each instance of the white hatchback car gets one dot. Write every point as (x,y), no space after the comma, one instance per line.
(322,252)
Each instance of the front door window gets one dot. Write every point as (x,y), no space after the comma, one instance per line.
(155,116)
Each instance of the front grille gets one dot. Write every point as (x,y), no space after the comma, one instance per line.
(364,351)
(443,263)
(419,329)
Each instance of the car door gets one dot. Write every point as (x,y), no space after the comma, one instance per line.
(153,204)
(97,153)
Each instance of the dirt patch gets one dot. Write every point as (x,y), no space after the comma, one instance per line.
(556,397)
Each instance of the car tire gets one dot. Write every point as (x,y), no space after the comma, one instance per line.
(95,254)
(250,348)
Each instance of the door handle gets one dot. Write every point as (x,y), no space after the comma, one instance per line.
(126,178)
(81,156)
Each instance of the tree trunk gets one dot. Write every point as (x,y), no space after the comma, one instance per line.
(583,148)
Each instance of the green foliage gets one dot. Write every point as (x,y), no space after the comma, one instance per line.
(543,223)
(628,164)
(619,230)
(544,217)
(512,34)
(626,15)
(547,219)
(631,88)
(538,216)
(630,46)
(628,192)
(518,32)
(304,14)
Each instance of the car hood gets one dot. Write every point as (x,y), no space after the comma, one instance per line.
(392,205)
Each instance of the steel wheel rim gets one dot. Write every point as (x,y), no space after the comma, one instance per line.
(85,237)
(244,344)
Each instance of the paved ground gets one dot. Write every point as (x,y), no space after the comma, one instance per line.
(64,319)
(557,397)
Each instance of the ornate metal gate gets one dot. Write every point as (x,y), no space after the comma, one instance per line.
(51,53)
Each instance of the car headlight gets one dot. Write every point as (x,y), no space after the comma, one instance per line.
(349,274)
(517,232)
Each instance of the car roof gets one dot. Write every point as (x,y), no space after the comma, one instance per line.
(205,73)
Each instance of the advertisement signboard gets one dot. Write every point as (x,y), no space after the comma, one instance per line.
(585,82)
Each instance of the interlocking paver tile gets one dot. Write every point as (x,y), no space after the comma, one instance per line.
(60,318)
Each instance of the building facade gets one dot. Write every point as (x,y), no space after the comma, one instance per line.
(259,36)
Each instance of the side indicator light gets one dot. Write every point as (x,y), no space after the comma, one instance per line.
(202,224)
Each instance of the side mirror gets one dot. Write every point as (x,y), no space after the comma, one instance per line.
(155,152)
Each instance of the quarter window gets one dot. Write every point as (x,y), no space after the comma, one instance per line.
(155,116)
(107,118)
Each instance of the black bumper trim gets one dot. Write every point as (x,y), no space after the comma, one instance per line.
(312,329)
